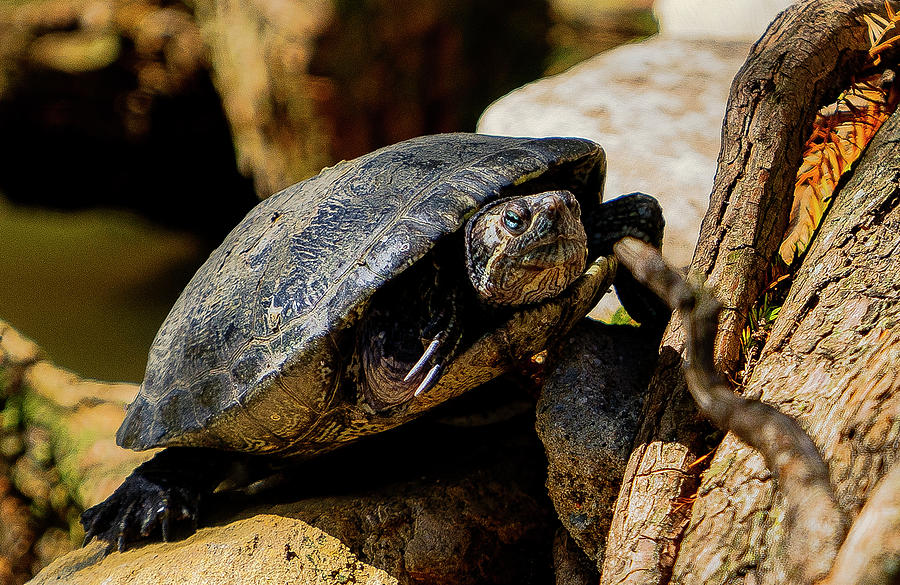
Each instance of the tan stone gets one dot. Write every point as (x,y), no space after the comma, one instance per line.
(257,550)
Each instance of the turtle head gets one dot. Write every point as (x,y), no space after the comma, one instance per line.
(527,248)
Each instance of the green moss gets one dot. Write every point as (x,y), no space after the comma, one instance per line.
(621,317)
(11,415)
(6,380)
(65,446)
(718,467)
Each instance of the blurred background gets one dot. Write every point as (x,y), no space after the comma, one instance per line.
(135,133)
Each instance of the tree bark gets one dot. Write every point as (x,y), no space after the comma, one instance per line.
(807,56)
(830,362)
(259,54)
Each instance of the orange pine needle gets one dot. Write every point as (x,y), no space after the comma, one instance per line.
(878,28)
(700,459)
(839,135)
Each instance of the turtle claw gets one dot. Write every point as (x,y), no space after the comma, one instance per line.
(138,508)
(166,525)
(419,366)
(430,380)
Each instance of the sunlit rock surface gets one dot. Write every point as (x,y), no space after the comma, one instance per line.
(450,500)
(261,549)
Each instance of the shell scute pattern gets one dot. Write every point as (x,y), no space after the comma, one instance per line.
(207,392)
(282,416)
(252,355)
(307,354)
(447,207)
(396,249)
(236,429)
(251,365)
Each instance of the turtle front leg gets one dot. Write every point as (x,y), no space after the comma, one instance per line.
(442,334)
(410,332)
(159,497)
(639,216)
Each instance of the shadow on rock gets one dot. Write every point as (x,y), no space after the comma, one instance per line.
(429,503)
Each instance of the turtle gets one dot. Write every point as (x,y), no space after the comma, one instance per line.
(356,300)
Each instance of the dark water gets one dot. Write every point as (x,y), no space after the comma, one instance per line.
(91,287)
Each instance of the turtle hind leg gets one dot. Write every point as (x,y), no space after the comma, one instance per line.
(160,498)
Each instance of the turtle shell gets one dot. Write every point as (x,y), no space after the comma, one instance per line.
(253,355)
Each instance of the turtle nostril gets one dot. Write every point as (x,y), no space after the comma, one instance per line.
(552,205)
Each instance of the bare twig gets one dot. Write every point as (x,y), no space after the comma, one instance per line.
(815,525)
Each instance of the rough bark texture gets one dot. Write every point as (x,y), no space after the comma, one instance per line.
(870,552)
(808,54)
(650,511)
(830,362)
(813,522)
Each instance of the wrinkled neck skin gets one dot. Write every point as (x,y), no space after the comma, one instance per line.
(526,249)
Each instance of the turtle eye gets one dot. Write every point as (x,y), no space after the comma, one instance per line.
(515,219)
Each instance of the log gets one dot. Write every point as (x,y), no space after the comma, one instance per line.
(805,58)
(57,454)
(259,54)
(830,362)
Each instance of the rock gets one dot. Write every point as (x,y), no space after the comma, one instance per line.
(57,454)
(469,530)
(426,503)
(570,564)
(436,503)
(261,549)
(17,534)
(431,503)
(81,417)
(587,418)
